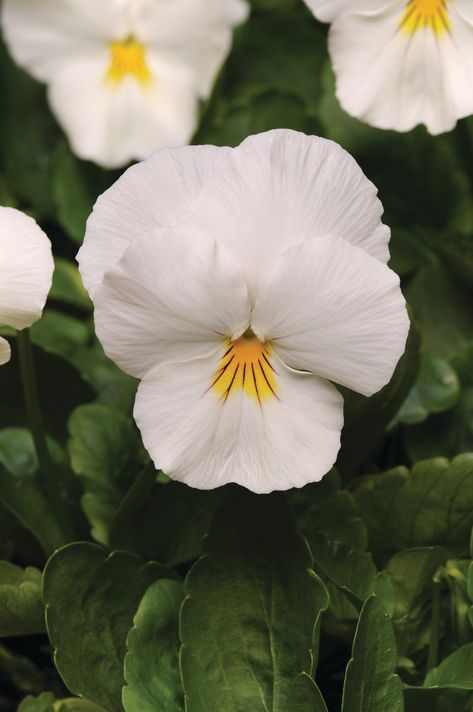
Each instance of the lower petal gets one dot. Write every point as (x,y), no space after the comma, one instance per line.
(205,440)
(5,351)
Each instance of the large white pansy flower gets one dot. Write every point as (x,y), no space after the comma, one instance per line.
(399,63)
(124,76)
(236,284)
(26,269)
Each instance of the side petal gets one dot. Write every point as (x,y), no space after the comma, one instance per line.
(173,295)
(151,194)
(5,351)
(26,269)
(44,34)
(328,10)
(206,441)
(115,124)
(282,187)
(331,309)
(457,59)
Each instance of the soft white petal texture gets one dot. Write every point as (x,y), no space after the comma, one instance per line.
(5,351)
(282,187)
(113,125)
(43,35)
(331,309)
(328,10)
(197,33)
(151,194)
(395,80)
(174,295)
(206,443)
(26,269)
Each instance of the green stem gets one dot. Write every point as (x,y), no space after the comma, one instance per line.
(464,143)
(48,476)
(432,658)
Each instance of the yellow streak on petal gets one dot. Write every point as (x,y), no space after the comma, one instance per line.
(426,14)
(246,365)
(128,59)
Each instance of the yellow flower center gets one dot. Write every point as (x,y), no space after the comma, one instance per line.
(128,59)
(430,14)
(246,366)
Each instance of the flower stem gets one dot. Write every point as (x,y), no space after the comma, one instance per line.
(47,473)
(432,657)
(464,143)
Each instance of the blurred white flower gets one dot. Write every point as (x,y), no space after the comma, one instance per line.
(124,76)
(236,283)
(26,270)
(399,63)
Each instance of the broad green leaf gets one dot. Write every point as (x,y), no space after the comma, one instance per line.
(456,671)
(43,703)
(91,599)
(456,574)
(21,606)
(430,505)
(366,419)
(67,286)
(104,451)
(60,334)
(168,526)
(305,696)
(437,388)
(325,507)
(370,683)
(20,489)
(423,699)
(247,623)
(412,574)
(152,661)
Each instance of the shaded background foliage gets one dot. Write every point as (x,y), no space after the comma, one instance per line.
(375,601)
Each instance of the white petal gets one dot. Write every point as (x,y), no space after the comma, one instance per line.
(281,187)
(331,309)
(26,269)
(113,125)
(395,80)
(457,61)
(197,438)
(328,10)
(174,295)
(197,33)
(151,194)
(5,351)
(42,35)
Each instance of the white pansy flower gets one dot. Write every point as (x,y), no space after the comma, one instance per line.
(236,284)
(26,270)
(124,77)
(399,63)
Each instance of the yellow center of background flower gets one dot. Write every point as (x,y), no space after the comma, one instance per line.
(430,14)
(246,366)
(128,59)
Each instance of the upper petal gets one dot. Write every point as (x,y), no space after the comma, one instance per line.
(328,10)
(282,187)
(151,194)
(206,441)
(26,269)
(173,295)
(5,351)
(331,309)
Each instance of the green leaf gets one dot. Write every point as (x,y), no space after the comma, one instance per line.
(437,388)
(422,699)
(104,451)
(455,671)
(152,661)
(60,334)
(20,489)
(91,599)
(43,703)
(305,696)
(430,505)
(67,286)
(412,574)
(21,606)
(247,623)
(75,704)
(324,507)
(370,683)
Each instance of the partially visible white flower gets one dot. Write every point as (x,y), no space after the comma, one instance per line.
(124,76)
(237,283)
(26,270)
(399,63)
